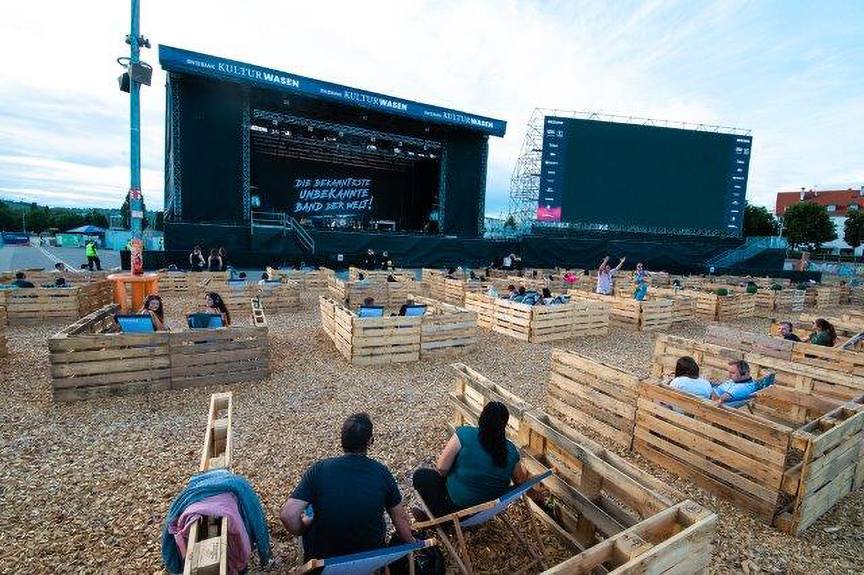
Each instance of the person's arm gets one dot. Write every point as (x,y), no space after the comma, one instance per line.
(606,259)
(401,523)
(294,518)
(157,323)
(448,455)
(620,263)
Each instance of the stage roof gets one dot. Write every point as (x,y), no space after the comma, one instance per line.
(179,60)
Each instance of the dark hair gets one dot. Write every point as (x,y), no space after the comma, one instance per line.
(825,325)
(472,275)
(356,433)
(265,276)
(219,304)
(787,324)
(521,290)
(159,311)
(60,282)
(511,287)
(451,271)
(213,252)
(492,424)
(242,275)
(361,276)
(369,301)
(59,266)
(586,272)
(19,275)
(547,292)
(686,365)
(742,366)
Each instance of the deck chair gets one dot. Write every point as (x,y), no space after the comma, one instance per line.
(204,320)
(482,513)
(134,323)
(370,311)
(758,385)
(415,310)
(365,562)
(236,284)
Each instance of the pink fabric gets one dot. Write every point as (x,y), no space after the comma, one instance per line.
(222,505)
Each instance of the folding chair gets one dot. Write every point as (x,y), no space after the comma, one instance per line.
(482,513)
(370,311)
(744,400)
(134,323)
(365,562)
(415,310)
(203,320)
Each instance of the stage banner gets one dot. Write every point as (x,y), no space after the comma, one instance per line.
(332,196)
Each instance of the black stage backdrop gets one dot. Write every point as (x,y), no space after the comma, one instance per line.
(305,188)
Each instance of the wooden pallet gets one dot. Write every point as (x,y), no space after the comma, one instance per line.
(445,329)
(174,282)
(820,297)
(26,306)
(726,308)
(831,468)
(650,315)
(312,281)
(207,551)
(87,362)
(594,395)
(379,276)
(355,293)
(283,297)
(483,306)
(770,302)
(258,317)
(4,349)
(610,513)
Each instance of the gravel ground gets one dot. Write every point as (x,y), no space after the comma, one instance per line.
(85,485)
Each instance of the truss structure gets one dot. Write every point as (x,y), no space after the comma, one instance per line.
(525,181)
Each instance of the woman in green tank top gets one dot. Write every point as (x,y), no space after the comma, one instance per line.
(477,465)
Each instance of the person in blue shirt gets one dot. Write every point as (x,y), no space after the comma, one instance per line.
(477,465)
(687,379)
(739,385)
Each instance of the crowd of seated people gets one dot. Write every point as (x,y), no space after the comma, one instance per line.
(737,389)
(213,307)
(478,464)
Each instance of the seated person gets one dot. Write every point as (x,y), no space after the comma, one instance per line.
(546,297)
(451,274)
(786,331)
(59,268)
(570,277)
(348,496)
(492,292)
(823,333)
(241,276)
(21,281)
(477,465)
(369,301)
(361,279)
(521,291)
(512,291)
(153,306)
(408,303)
(390,278)
(739,384)
(687,379)
(472,277)
(264,279)
(215,304)
(60,283)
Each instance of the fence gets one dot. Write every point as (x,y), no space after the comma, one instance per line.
(86,361)
(48,305)
(633,314)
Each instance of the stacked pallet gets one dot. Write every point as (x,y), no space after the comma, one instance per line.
(456,290)
(612,515)
(356,292)
(724,308)
(823,296)
(26,306)
(174,282)
(746,456)
(770,302)
(311,281)
(539,323)
(378,276)
(283,297)
(682,302)
(4,349)
(651,315)
(207,550)
(88,361)
(444,329)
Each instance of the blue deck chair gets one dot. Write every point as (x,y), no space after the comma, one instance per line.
(415,310)
(758,385)
(365,562)
(482,513)
(370,311)
(134,323)
(203,320)
(237,284)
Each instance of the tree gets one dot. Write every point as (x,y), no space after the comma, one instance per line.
(853,230)
(39,218)
(124,213)
(9,219)
(808,223)
(96,218)
(758,221)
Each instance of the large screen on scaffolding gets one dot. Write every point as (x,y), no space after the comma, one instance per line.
(631,176)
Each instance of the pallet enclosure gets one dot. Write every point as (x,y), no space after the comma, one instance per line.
(26,306)
(283,297)
(724,308)
(649,315)
(86,361)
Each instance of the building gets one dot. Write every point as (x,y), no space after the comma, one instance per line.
(838,203)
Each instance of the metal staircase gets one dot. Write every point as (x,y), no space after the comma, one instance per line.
(752,247)
(268,219)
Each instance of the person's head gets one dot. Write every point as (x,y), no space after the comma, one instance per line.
(511,288)
(357,434)
(739,370)
(546,293)
(472,275)
(385,254)
(687,367)
(785,328)
(154,303)
(242,275)
(586,273)
(361,276)
(264,276)
(639,267)
(492,426)
(197,250)
(370,252)
(390,278)
(20,276)
(534,273)
(825,325)
(522,290)
(369,301)
(213,252)
(60,282)
(451,271)
(60,267)
(215,301)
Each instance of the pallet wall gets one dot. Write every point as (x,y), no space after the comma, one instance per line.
(770,302)
(26,306)
(446,329)
(726,308)
(652,315)
(86,362)
(283,297)
(378,276)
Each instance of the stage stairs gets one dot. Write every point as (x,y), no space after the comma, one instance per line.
(752,248)
(270,227)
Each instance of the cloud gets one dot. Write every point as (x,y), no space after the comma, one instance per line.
(791,72)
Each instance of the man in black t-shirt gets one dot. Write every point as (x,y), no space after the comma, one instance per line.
(21,281)
(339,505)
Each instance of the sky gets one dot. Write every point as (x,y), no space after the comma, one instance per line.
(791,71)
